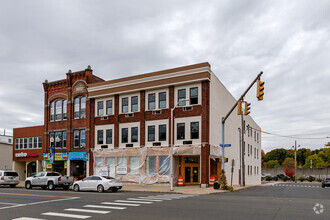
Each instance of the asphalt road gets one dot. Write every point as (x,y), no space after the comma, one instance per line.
(282,201)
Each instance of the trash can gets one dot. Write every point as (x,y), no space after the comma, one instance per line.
(216,185)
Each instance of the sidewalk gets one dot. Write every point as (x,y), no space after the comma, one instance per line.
(165,188)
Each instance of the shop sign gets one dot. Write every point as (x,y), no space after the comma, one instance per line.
(48,166)
(121,169)
(105,171)
(78,156)
(25,155)
(58,156)
(51,155)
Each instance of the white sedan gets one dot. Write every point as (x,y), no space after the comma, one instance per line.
(97,183)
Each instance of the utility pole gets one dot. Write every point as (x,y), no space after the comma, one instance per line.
(243,150)
(295,161)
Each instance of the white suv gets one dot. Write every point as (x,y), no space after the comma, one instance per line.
(10,178)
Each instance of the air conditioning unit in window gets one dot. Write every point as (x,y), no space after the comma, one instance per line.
(156,144)
(129,145)
(104,146)
(156,112)
(189,108)
(187,142)
(129,115)
(104,118)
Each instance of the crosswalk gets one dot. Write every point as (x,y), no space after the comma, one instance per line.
(294,185)
(107,207)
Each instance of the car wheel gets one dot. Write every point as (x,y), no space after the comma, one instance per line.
(51,185)
(44,187)
(12,186)
(28,185)
(114,190)
(76,188)
(66,187)
(100,188)
(323,186)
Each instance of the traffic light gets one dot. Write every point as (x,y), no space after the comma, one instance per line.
(260,90)
(247,108)
(239,107)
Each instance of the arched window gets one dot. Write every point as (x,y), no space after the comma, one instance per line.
(80,107)
(58,110)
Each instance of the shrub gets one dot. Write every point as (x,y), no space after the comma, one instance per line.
(293,178)
(319,180)
(285,178)
(311,178)
(301,179)
(268,178)
(275,178)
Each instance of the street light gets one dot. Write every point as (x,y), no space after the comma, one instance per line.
(172,141)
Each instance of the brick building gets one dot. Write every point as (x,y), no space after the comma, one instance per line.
(144,128)
(134,131)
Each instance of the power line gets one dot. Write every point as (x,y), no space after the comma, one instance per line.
(288,136)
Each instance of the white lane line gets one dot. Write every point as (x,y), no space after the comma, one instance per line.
(148,200)
(309,186)
(129,201)
(7,203)
(27,218)
(104,207)
(118,203)
(37,203)
(65,215)
(87,210)
(155,198)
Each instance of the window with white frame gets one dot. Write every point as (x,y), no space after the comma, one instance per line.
(162,132)
(109,107)
(193,96)
(124,103)
(100,137)
(79,138)
(57,139)
(151,101)
(134,103)
(151,133)
(156,100)
(99,108)
(129,134)
(180,131)
(79,107)
(134,134)
(28,143)
(124,135)
(162,100)
(58,110)
(181,97)
(108,134)
(194,130)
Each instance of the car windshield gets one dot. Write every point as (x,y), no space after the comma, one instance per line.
(108,177)
(53,174)
(10,174)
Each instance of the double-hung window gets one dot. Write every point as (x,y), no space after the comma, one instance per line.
(58,139)
(194,96)
(100,137)
(162,132)
(124,135)
(181,97)
(109,107)
(134,134)
(151,133)
(151,101)
(162,100)
(79,138)
(180,131)
(108,134)
(134,103)
(80,107)
(194,130)
(100,108)
(124,103)
(58,110)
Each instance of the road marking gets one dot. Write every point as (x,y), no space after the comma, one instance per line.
(36,203)
(118,203)
(104,207)
(7,203)
(155,198)
(20,194)
(27,218)
(148,200)
(86,210)
(133,201)
(65,215)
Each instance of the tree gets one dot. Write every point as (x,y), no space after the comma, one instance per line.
(276,154)
(317,162)
(289,171)
(302,154)
(273,164)
(288,162)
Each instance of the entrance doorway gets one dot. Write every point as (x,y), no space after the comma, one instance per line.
(31,169)
(189,169)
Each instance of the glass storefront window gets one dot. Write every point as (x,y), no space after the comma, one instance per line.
(134,165)
(111,161)
(99,161)
(164,165)
(151,165)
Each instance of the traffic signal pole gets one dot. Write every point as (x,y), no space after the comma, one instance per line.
(225,118)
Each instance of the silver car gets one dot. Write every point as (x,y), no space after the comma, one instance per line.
(10,178)
(97,183)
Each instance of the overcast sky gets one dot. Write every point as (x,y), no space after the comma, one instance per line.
(288,40)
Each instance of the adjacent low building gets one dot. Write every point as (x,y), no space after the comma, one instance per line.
(6,150)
